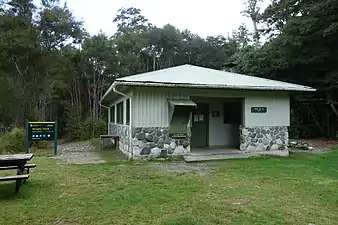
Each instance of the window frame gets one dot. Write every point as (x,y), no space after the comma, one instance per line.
(112,114)
(120,113)
(128,111)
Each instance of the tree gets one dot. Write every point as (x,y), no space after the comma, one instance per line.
(52,69)
(99,64)
(252,11)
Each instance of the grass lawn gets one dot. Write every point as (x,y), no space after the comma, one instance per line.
(301,189)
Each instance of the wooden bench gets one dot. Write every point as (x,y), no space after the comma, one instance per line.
(26,169)
(27,166)
(18,178)
(114,137)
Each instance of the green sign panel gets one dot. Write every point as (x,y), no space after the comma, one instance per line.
(178,135)
(41,131)
(259,109)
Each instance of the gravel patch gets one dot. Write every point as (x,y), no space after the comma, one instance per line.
(181,167)
(78,153)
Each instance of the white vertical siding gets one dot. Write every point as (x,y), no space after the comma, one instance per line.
(150,107)
(278,110)
(220,133)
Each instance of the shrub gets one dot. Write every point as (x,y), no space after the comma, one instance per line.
(40,144)
(85,130)
(13,141)
(90,129)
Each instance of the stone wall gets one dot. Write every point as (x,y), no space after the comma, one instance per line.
(155,141)
(271,138)
(123,131)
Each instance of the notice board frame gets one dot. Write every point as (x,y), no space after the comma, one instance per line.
(41,124)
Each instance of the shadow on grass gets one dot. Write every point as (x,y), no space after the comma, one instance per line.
(184,221)
(7,191)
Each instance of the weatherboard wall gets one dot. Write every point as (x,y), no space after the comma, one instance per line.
(150,106)
(278,110)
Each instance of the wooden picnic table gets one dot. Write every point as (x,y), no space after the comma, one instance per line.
(18,162)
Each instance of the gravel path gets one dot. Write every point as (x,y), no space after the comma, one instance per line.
(78,153)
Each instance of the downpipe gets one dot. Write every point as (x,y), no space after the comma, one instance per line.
(130,117)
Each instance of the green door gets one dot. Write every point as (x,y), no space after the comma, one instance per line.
(200,123)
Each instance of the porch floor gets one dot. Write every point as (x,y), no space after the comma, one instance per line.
(210,154)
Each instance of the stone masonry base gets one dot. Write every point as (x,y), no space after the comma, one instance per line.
(267,138)
(155,142)
(124,136)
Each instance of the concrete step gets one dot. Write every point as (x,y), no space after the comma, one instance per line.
(214,152)
(201,158)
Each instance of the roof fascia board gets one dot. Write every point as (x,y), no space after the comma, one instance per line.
(159,84)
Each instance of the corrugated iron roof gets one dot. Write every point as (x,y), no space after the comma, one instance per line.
(195,76)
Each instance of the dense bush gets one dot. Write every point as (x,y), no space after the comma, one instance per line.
(13,141)
(39,144)
(92,129)
(85,130)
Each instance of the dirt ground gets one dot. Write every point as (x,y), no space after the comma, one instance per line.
(181,167)
(322,143)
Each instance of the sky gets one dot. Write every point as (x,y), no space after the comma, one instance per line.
(206,18)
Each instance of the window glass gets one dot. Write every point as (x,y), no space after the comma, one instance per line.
(119,112)
(112,114)
(128,111)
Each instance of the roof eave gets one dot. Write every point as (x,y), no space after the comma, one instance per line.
(241,87)
(101,101)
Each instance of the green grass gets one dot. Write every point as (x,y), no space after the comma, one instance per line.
(301,189)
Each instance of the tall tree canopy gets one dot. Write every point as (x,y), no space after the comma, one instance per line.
(51,68)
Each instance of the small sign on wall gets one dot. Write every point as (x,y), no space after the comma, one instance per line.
(215,114)
(198,118)
(259,109)
(178,135)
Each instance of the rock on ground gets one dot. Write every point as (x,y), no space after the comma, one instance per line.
(78,153)
(313,145)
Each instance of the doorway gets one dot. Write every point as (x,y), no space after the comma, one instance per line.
(232,119)
(200,126)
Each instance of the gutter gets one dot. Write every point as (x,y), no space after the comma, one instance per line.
(113,88)
(103,105)
(105,95)
(191,85)
(106,107)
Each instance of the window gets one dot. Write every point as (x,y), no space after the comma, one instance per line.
(232,113)
(112,114)
(119,113)
(180,119)
(128,111)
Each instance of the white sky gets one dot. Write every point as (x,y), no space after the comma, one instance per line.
(206,18)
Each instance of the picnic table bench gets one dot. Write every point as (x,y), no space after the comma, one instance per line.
(18,162)
(105,137)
